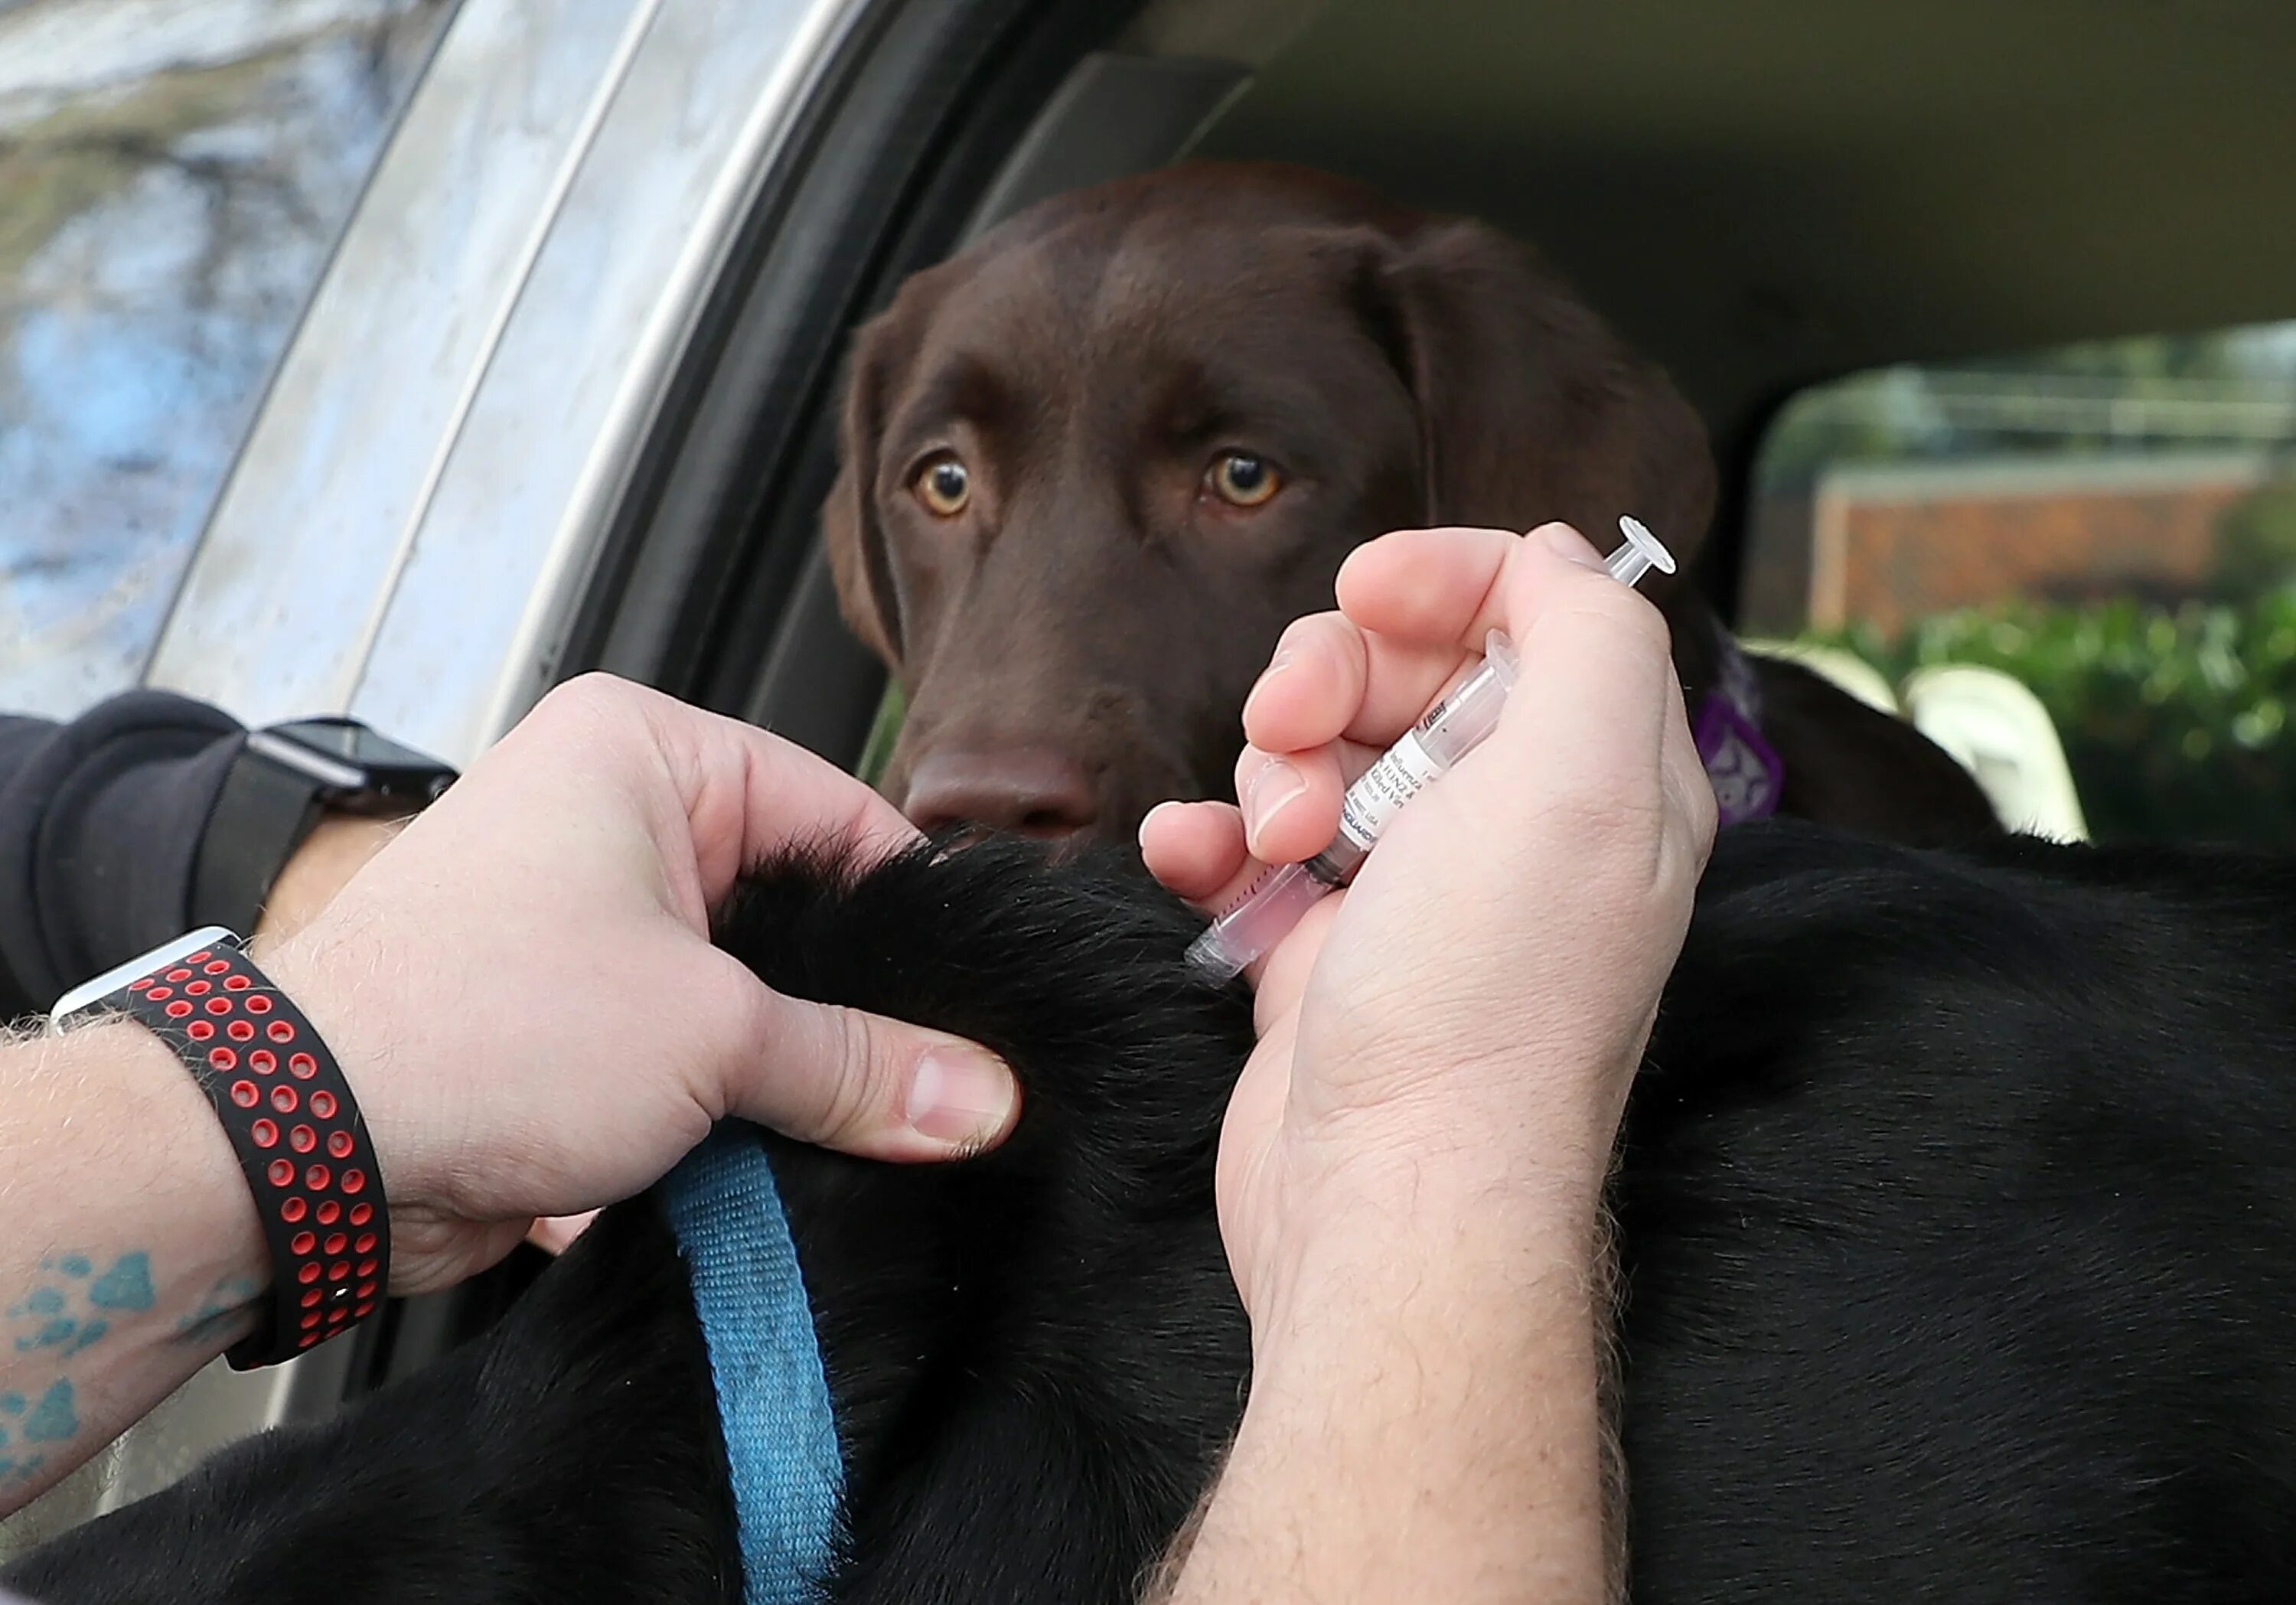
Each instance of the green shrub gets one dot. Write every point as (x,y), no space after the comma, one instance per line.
(2256,544)
(2175,720)
(884,729)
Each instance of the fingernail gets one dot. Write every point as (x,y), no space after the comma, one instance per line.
(1275,666)
(1140,835)
(961,1097)
(555,1234)
(1274,789)
(1565,541)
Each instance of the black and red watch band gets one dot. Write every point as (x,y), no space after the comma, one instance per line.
(281,1099)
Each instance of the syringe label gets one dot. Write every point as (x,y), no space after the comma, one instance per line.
(1402,772)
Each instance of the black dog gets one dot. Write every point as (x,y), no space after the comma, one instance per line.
(1955,1201)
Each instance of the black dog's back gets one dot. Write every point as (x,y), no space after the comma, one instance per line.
(1036,1356)
(1956,1206)
(1958,1219)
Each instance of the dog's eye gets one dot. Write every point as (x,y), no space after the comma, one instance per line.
(1243,480)
(944,486)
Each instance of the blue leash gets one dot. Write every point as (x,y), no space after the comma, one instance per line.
(773,1398)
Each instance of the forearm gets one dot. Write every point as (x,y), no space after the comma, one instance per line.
(1422,1426)
(131,1254)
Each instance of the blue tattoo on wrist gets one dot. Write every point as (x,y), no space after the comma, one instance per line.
(226,1303)
(126,1287)
(74,1305)
(53,1419)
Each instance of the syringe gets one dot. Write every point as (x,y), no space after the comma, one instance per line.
(1446,733)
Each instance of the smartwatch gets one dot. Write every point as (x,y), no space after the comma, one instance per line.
(285,778)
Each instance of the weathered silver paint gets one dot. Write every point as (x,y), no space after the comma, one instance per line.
(300,552)
(423,491)
(533,475)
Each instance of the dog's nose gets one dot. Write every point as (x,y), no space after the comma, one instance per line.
(1033,790)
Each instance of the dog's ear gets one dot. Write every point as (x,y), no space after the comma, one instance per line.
(858,561)
(1530,408)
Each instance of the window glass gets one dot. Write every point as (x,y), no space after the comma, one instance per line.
(2113,526)
(173,175)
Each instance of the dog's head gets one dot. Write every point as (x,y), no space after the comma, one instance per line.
(1093,466)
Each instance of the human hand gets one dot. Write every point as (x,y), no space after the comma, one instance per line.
(337,848)
(522,994)
(1452,1037)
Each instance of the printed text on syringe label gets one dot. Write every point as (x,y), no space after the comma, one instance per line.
(1402,772)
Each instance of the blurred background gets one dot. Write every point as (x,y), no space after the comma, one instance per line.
(2113,524)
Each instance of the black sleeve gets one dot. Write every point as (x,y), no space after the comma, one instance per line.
(101,822)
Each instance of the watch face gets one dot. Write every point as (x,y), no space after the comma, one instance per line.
(354,767)
(355,743)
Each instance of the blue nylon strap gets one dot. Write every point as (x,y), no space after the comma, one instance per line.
(773,1399)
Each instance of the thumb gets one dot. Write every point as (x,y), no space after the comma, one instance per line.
(876,1087)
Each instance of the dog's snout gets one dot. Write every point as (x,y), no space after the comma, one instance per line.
(1033,790)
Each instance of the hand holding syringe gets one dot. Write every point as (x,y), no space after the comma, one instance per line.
(1457,724)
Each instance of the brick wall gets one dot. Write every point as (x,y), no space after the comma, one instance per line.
(1887,545)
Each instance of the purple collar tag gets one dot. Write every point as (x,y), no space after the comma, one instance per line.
(1746,771)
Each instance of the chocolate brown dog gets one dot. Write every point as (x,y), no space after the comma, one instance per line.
(1094,464)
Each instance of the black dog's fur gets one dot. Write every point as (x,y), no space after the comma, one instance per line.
(1956,1204)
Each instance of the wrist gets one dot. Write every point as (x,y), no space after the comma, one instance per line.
(337,848)
(277,1096)
(133,1254)
(324,980)
(344,985)
(158,1147)
(1424,1424)
(1432,1261)
(1414,1217)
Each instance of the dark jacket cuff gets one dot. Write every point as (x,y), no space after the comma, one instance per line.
(101,822)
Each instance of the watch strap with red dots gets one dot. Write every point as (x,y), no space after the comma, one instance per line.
(290,1117)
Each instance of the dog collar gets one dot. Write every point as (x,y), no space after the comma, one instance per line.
(1745,770)
(772,1396)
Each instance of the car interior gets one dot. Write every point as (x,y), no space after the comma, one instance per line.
(1765,197)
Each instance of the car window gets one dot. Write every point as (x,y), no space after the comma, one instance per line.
(2111,526)
(173,175)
